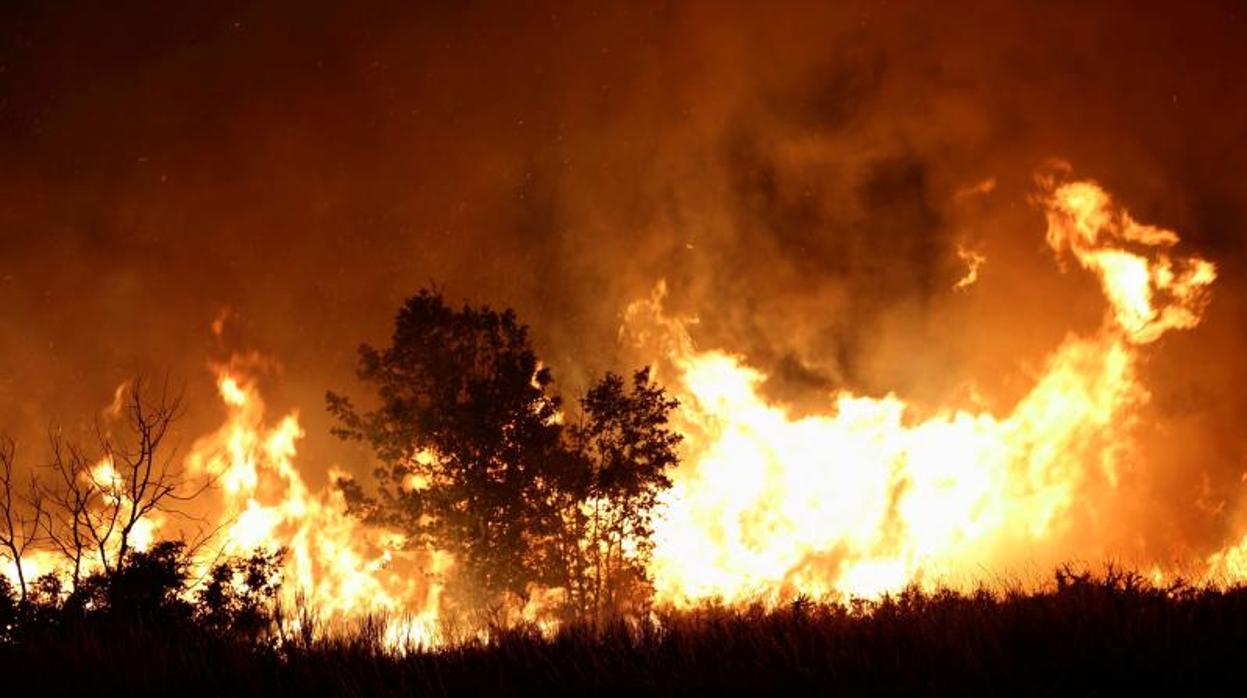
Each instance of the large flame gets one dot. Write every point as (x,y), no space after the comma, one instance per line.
(335,566)
(868,498)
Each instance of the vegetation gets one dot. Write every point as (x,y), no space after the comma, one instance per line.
(91,506)
(477,460)
(150,591)
(620,452)
(465,426)
(1084,635)
(88,511)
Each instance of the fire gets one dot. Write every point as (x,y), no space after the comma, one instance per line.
(1149,295)
(869,498)
(336,566)
(973,261)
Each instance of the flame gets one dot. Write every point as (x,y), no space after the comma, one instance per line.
(1149,295)
(336,566)
(973,261)
(869,497)
(35,564)
(980,188)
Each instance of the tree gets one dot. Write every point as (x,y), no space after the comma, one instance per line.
(475,459)
(70,497)
(97,504)
(622,450)
(92,511)
(464,429)
(20,513)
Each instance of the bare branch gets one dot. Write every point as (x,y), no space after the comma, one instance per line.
(98,503)
(20,513)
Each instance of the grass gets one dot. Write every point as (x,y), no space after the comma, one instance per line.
(1084,635)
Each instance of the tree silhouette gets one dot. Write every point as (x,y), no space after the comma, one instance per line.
(21,513)
(622,448)
(90,513)
(239,593)
(465,429)
(476,460)
(146,585)
(97,502)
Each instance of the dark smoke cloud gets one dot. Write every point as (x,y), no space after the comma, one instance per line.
(792,170)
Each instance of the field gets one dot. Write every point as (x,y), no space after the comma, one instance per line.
(1083,635)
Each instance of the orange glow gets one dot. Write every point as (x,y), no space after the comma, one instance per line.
(867,498)
(336,566)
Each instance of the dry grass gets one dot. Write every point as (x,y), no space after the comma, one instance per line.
(1085,635)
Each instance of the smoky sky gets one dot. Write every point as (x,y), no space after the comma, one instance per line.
(797,172)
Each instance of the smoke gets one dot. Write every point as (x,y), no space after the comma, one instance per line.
(294,170)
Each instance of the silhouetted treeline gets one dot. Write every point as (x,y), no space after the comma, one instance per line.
(1086,635)
(152,589)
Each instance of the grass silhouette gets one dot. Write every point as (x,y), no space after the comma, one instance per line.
(1085,634)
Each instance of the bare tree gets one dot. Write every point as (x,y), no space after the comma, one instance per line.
(97,503)
(70,498)
(20,513)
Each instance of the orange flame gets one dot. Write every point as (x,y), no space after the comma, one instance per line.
(866,499)
(336,566)
(861,500)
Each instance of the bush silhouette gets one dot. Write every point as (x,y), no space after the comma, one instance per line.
(147,586)
(239,594)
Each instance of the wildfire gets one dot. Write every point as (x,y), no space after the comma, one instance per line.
(863,499)
(866,499)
